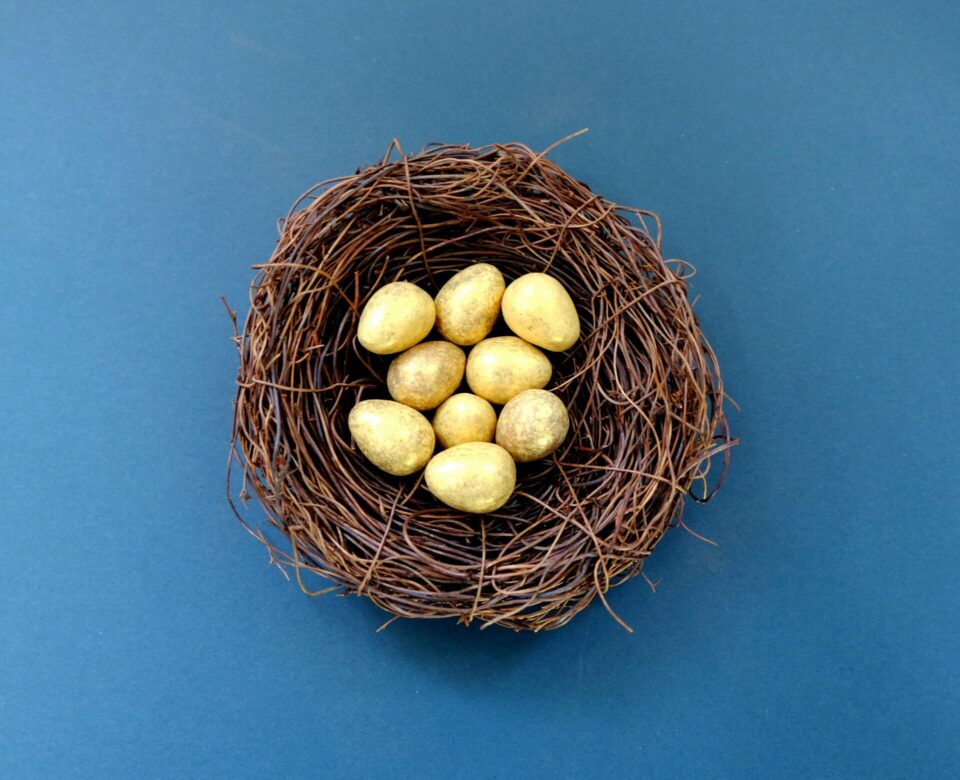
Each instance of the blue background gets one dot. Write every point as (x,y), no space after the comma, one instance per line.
(804,155)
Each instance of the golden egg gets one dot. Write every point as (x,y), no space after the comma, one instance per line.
(393,437)
(396,317)
(468,304)
(532,425)
(425,375)
(501,367)
(464,417)
(538,309)
(473,477)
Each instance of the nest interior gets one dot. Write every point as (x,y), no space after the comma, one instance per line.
(642,387)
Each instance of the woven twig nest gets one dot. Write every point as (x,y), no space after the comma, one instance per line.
(641,386)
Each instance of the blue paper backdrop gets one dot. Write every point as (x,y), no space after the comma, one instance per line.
(804,155)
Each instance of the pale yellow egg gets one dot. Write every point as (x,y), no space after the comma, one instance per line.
(469,303)
(462,418)
(393,437)
(474,477)
(500,367)
(539,309)
(396,317)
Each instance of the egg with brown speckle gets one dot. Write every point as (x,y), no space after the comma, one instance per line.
(469,303)
(532,425)
(424,376)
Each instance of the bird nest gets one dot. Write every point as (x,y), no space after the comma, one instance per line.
(642,388)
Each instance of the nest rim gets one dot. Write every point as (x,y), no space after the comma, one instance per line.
(642,386)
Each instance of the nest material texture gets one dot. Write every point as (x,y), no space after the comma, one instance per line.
(642,387)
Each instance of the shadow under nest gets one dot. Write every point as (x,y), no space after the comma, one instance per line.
(642,388)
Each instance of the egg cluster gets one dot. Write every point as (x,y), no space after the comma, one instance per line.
(471,472)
